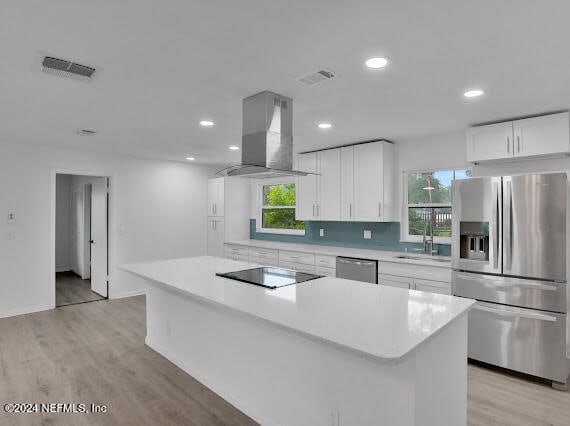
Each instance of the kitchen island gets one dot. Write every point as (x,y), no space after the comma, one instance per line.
(324,352)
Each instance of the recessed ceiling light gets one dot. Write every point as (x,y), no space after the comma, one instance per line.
(190,158)
(325,125)
(206,123)
(233,147)
(376,63)
(473,93)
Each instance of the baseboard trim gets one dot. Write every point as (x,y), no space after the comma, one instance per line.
(25,311)
(62,269)
(214,387)
(128,294)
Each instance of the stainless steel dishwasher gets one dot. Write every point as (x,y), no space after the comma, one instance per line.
(357,269)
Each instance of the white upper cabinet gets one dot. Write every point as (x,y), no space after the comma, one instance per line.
(329,184)
(542,135)
(307,187)
(216,197)
(347,183)
(490,142)
(529,137)
(354,183)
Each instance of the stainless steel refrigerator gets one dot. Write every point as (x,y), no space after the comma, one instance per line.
(509,241)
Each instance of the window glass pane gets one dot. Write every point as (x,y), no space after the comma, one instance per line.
(430,187)
(462,174)
(281,219)
(420,220)
(279,195)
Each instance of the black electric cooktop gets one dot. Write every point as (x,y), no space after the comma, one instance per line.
(269,277)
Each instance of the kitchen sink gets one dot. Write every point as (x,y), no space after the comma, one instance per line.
(430,259)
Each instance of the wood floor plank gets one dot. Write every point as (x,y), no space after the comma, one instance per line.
(95,353)
(71,289)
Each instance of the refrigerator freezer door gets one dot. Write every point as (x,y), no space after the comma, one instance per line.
(545,295)
(534,226)
(477,202)
(526,340)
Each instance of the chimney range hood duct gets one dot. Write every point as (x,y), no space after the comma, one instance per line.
(267,141)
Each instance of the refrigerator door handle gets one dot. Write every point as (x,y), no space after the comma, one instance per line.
(495,225)
(513,313)
(502,282)
(507,223)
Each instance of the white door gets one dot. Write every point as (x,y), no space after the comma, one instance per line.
(542,135)
(347,183)
(99,236)
(307,187)
(329,184)
(490,142)
(215,237)
(368,182)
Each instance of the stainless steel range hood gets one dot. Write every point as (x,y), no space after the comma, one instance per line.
(267,141)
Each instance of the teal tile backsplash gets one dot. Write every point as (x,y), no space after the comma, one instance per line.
(385,236)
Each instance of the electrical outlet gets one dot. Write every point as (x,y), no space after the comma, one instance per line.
(367,234)
(322,232)
(335,418)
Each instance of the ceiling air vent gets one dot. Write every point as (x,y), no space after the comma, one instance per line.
(316,77)
(67,69)
(86,132)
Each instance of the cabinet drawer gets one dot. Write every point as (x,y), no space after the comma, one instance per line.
(395,281)
(424,286)
(241,258)
(239,250)
(310,269)
(326,261)
(296,257)
(433,273)
(269,254)
(263,262)
(327,272)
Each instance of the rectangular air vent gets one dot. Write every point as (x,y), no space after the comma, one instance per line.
(316,77)
(66,69)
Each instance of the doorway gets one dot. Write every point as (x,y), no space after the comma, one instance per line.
(81,238)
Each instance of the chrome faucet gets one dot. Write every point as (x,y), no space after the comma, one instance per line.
(429,240)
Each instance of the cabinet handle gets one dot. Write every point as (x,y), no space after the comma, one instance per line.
(350,210)
(508,145)
(318,208)
(313,210)
(519,144)
(379,209)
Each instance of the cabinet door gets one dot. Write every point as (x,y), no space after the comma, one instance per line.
(216,197)
(490,142)
(395,281)
(368,182)
(433,286)
(307,188)
(542,135)
(347,183)
(215,238)
(328,206)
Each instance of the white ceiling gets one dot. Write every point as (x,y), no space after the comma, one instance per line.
(165,65)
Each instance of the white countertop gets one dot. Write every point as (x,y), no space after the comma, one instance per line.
(381,255)
(379,322)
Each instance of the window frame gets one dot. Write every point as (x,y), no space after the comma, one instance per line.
(259,207)
(404,224)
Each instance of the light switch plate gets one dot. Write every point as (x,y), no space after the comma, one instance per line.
(367,234)
(322,232)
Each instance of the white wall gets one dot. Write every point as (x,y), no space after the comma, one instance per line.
(62,234)
(159,206)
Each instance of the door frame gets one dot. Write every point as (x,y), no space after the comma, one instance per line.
(110,221)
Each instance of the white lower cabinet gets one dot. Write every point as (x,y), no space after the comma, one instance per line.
(309,269)
(433,286)
(327,272)
(395,281)
(215,237)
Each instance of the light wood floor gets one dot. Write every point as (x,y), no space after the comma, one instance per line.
(95,353)
(71,289)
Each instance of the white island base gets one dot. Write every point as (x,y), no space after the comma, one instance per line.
(280,378)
